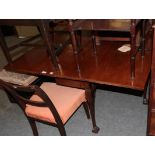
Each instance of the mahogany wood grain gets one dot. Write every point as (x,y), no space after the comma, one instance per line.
(72,83)
(151,108)
(108,66)
(112,25)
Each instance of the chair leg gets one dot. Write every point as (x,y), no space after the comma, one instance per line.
(85,106)
(33,126)
(44,29)
(94,42)
(133,49)
(73,38)
(93,34)
(62,130)
(143,39)
(78,37)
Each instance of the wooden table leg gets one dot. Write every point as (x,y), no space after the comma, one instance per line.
(44,28)
(151,106)
(90,95)
(146,91)
(151,111)
(73,38)
(143,38)
(133,49)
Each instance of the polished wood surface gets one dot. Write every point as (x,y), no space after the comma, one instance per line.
(108,66)
(151,109)
(130,26)
(119,25)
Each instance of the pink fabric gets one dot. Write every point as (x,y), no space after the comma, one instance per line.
(65,99)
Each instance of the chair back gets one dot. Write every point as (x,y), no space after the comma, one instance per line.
(22,95)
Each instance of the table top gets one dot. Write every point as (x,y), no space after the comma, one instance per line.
(108,66)
(104,24)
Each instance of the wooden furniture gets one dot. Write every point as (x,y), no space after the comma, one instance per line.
(151,108)
(43,26)
(51,103)
(107,68)
(111,25)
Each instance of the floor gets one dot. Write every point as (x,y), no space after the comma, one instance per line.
(117,114)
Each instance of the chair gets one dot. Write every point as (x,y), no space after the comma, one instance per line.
(44,27)
(127,30)
(50,103)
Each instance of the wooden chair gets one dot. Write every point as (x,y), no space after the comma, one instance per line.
(50,103)
(45,27)
(95,26)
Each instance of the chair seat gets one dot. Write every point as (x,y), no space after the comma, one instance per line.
(65,99)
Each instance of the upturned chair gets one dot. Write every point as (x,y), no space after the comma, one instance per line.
(50,103)
(96,26)
(45,27)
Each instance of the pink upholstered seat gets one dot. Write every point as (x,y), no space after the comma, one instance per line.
(65,99)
